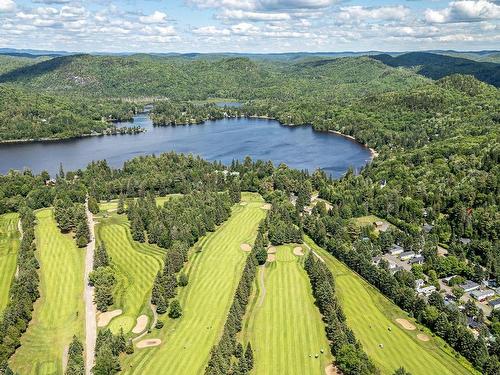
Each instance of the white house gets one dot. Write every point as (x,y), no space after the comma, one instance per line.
(407,255)
(395,250)
(481,295)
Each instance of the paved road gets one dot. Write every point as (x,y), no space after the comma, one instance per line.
(88,296)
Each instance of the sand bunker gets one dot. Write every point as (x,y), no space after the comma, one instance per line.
(140,325)
(267,206)
(298,251)
(423,337)
(271,257)
(331,370)
(148,343)
(246,247)
(104,318)
(406,324)
(271,250)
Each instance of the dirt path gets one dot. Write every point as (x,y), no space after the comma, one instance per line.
(262,285)
(88,297)
(65,358)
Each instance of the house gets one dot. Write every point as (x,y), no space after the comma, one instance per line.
(395,250)
(427,290)
(481,295)
(473,323)
(469,286)
(419,283)
(495,304)
(419,259)
(407,255)
(50,182)
(427,227)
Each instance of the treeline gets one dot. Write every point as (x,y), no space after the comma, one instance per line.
(187,113)
(284,221)
(34,115)
(108,349)
(350,358)
(23,292)
(72,217)
(102,278)
(228,356)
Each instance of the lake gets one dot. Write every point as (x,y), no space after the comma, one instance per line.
(222,140)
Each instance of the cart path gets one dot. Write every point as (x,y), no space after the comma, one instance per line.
(88,296)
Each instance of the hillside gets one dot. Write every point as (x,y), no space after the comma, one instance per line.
(438,66)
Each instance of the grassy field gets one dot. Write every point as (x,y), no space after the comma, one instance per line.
(59,312)
(9,245)
(136,266)
(111,206)
(370,314)
(214,273)
(283,324)
(369,220)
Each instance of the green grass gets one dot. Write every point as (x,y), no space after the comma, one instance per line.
(9,246)
(214,274)
(59,312)
(112,205)
(370,314)
(286,330)
(136,266)
(369,220)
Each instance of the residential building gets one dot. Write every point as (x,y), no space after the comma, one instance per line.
(407,255)
(395,250)
(469,286)
(482,295)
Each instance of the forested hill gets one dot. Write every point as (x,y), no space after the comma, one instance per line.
(438,66)
(187,79)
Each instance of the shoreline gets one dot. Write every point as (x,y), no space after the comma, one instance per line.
(373,152)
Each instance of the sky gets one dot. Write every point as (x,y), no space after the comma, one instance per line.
(259,26)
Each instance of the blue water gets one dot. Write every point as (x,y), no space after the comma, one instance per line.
(221,140)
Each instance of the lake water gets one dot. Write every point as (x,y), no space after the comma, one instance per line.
(222,140)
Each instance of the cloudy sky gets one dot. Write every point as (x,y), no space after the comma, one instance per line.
(249,25)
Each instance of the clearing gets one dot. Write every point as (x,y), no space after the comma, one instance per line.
(59,313)
(214,273)
(286,330)
(9,246)
(136,265)
(370,315)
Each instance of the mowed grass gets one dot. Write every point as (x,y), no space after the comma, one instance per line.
(214,274)
(59,313)
(9,246)
(112,205)
(283,325)
(370,315)
(136,265)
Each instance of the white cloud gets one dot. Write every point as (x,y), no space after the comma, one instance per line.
(360,13)
(211,31)
(156,17)
(464,11)
(262,5)
(236,14)
(7,6)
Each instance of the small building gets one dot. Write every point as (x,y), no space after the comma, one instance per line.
(427,290)
(419,259)
(469,286)
(427,227)
(395,250)
(495,304)
(473,323)
(482,295)
(419,283)
(407,255)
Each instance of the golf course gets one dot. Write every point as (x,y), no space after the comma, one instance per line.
(390,343)
(9,245)
(283,324)
(214,268)
(135,265)
(59,312)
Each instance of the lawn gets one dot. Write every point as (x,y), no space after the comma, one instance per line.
(214,273)
(9,245)
(136,266)
(370,315)
(283,325)
(369,220)
(112,205)
(59,312)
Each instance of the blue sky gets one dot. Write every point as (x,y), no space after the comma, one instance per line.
(249,25)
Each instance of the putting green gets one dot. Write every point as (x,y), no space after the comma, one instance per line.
(370,315)
(214,274)
(59,313)
(136,266)
(9,246)
(283,325)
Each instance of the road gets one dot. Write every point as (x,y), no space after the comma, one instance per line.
(88,296)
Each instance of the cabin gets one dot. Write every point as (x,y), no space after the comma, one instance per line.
(419,259)
(465,241)
(407,255)
(426,290)
(495,304)
(469,286)
(395,250)
(482,295)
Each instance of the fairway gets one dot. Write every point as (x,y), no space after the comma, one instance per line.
(369,314)
(9,245)
(112,205)
(59,312)
(283,325)
(213,276)
(135,266)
